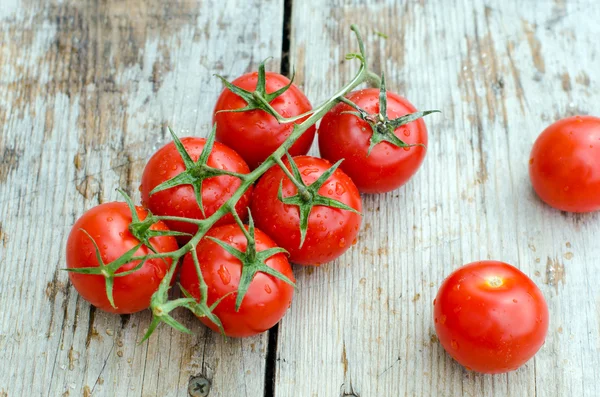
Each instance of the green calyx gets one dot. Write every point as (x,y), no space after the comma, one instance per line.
(109,270)
(308,195)
(195,172)
(382,127)
(259,99)
(141,230)
(252,261)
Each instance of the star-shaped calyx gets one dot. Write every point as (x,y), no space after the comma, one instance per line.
(259,98)
(252,261)
(382,127)
(308,195)
(195,172)
(142,232)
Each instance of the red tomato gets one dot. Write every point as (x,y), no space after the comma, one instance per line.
(331,231)
(345,136)
(108,225)
(181,200)
(564,165)
(267,298)
(490,317)
(256,134)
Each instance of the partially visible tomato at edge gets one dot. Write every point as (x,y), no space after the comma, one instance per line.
(256,134)
(108,225)
(564,165)
(180,200)
(345,136)
(490,317)
(267,299)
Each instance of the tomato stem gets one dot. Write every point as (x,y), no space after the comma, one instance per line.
(259,99)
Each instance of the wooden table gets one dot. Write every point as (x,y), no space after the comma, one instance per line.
(87,88)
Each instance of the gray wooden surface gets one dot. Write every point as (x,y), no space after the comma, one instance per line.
(87,87)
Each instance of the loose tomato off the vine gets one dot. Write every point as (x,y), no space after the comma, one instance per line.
(191,178)
(380,136)
(490,317)
(564,165)
(255,133)
(102,236)
(253,280)
(312,209)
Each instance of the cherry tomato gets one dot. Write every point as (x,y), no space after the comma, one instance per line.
(330,232)
(345,136)
(108,225)
(490,317)
(256,134)
(180,200)
(267,298)
(564,165)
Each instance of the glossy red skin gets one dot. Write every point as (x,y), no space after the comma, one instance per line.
(166,163)
(267,298)
(331,231)
(256,134)
(345,136)
(486,329)
(564,166)
(108,224)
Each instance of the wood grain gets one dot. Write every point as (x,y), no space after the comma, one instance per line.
(87,87)
(86,90)
(362,326)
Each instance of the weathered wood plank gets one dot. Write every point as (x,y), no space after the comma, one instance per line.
(86,89)
(500,73)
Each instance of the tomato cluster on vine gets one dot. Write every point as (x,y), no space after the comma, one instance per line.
(232,212)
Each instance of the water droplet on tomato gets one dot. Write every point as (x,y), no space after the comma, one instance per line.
(406,132)
(330,192)
(457,309)
(566,188)
(224,275)
(354,241)
(407,148)
(267,289)
(121,234)
(531,160)
(159,272)
(308,171)
(174,167)
(443,319)
(454,344)
(435,300)
(109,219)
(515,301)
(342,242)
(339,189)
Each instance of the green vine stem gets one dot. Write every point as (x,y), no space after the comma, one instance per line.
(160,304)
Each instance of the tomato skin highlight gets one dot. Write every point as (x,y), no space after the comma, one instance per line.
(345,136)
(331,231)
(256,134)
(564,165)
(490,317)
(267,298)
(108,224)
(166,163)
